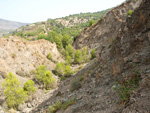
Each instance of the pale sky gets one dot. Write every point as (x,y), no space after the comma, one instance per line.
(30,11)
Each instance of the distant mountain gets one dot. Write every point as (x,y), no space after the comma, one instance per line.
(7,26)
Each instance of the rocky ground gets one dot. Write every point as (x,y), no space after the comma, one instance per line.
(123,55)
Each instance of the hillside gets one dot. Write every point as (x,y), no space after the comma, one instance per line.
(103,31)
(71,25)
(118,80)
(107,71)
(7,26)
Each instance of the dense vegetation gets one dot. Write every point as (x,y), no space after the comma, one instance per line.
(76,23)
(45,77)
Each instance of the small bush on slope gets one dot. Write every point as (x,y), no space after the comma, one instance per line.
(93,55)
(75,85)
(45,76)
(68,71)
(78,57)
(13,92)
(29,87)
(59,69)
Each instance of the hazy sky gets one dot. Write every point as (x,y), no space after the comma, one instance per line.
(30,11)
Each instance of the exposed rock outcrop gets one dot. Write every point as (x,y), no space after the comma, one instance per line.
(105,29)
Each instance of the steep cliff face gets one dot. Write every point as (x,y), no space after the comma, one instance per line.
(107,28)
(21,56)
(125,60)
(131,48)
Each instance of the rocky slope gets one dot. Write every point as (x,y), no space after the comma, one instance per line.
(123,57)
(106,28)
(123,60)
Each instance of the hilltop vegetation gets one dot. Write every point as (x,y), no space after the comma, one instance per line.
(70,25)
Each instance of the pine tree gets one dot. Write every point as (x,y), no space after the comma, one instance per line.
(93,55)
(45,76)
(59,69)
(68,71)
(58,43)
(29,86)
(84,54)
(66,40)
(51,36)
(78,57)
(70,50)
(68,60)
(13,92)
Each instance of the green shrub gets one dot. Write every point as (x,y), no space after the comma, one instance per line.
(30,34)
(84,54)
(66,40)
(125,88)
(59,105)
(13,92)
(75,85)
(62,78)
(91,22)
(68,60)
(68,103)
(58,43)
(55,107)
(123,91)
(130,13)
(70,50)
(42,36)
(68,71)
(28,39)
(78,57)
(93,55)
(49,56)
(45,77)
(59,69)
(29,86)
